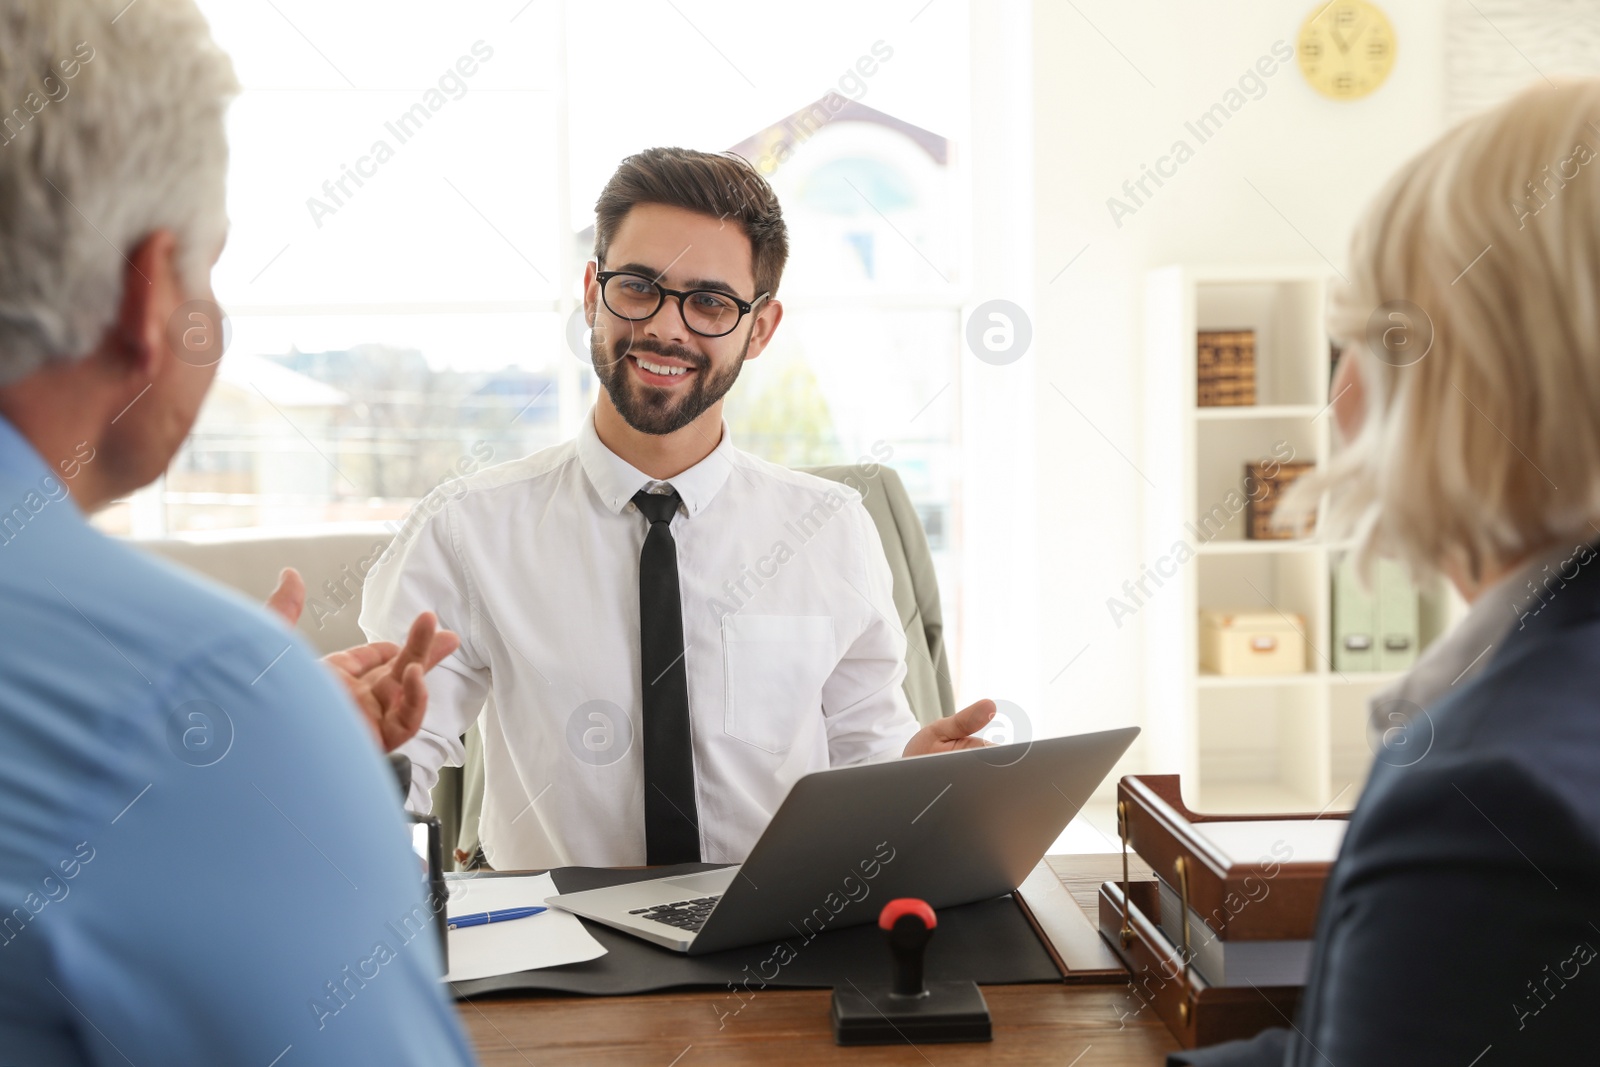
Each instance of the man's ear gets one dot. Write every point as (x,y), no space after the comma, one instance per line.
(591,292)
(150,289)
(766,325)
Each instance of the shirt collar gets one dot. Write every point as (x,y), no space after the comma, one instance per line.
(617,480)
(18,457)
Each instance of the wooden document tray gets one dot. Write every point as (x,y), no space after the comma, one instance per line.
(1232,899)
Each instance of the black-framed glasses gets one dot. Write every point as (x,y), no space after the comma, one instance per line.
(637,297)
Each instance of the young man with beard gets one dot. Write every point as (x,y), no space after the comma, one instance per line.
(633,710)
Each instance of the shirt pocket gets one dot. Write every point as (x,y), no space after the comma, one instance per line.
(774,669)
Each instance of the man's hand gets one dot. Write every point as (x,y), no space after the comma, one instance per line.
(384,679)
(953,733)
(289,599)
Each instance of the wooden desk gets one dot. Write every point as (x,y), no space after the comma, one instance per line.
(1072,1026)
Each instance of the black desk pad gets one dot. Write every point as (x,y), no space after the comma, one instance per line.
(989,942)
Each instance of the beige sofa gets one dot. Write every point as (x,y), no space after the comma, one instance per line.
(332,560)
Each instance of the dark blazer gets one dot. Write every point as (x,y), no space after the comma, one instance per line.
(1460,925)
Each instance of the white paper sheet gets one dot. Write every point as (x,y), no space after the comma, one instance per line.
(548,939)
(1280,840)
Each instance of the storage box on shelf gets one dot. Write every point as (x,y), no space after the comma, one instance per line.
(1265,483)
(1225,368)
(1225,493)
(1241,643)
(1244,743)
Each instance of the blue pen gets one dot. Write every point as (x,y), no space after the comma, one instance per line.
(482,917)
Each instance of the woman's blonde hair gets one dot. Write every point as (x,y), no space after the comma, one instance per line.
(1472,311)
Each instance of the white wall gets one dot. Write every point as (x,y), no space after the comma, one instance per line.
(999,597)
(1096,120)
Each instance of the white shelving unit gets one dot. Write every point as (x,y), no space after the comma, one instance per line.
(1280,743)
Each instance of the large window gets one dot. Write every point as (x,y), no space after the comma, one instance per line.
(411,194)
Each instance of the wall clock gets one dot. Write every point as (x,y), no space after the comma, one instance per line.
(1346,49)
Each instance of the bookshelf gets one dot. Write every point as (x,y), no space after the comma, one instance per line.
(1290,742)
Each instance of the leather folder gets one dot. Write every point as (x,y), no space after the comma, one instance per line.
(1236,901)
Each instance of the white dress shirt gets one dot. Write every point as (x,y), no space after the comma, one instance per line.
(793,647)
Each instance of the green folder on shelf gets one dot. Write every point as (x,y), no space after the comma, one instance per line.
(1376,630)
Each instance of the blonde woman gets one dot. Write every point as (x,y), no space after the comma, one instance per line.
(1461,924)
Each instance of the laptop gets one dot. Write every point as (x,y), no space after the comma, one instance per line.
(950,829)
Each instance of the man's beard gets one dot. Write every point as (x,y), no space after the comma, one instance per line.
(655,409)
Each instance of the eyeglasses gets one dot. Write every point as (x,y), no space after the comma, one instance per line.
(708,312)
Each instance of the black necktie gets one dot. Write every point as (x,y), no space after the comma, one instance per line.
(671,818)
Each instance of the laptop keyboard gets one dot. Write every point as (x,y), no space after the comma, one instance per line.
(684,914)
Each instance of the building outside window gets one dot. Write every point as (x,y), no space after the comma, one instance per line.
(410,223)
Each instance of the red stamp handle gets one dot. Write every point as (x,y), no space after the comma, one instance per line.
(896,909)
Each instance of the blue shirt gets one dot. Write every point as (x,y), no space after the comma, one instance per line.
(203,857)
